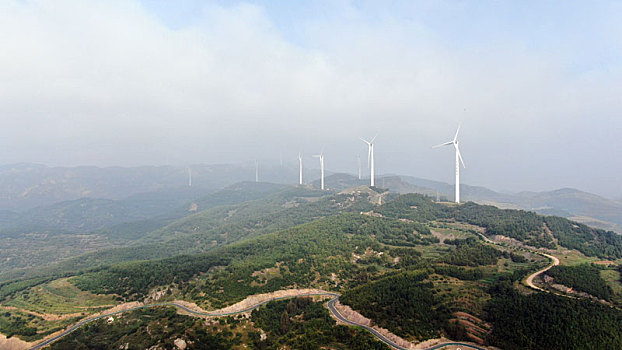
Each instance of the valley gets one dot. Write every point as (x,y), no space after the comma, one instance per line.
(418,269)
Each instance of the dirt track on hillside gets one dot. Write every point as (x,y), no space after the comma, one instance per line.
(529,280)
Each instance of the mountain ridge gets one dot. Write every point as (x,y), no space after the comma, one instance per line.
(26,186)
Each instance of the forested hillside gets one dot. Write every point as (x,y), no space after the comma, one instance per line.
(417,268)
(532,229)
(545,321)
(34,250)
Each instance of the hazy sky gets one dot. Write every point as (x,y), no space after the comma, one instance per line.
(536,84)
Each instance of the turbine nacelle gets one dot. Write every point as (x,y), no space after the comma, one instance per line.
(454,142)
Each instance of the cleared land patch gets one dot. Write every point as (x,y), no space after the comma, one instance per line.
(59,297)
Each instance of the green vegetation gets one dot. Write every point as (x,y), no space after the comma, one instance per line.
(585,278)
(472,253)
(403,304)
(459,272)
(146,328)
(303,324)
(84,216)
(527,227)
(386,262)
(298,324)
(30,327)
(587,240)
(612,277)
(11,287)
(399,233)
(306,255)
(16,324)
(547,321)
(134,280)
(59,297)
(218,226)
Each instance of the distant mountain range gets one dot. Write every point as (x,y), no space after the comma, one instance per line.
(577,205)
(30,191)
(88,214)
(26,186)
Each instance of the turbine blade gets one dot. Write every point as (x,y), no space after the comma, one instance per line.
(460,156)
(372,140)
(443,144)
(457,131)
(367,142)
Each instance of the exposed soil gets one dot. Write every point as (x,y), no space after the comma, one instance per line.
(356,317)
(13,343)
(529,280)
(259,298)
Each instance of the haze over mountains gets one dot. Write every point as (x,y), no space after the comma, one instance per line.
(33,197)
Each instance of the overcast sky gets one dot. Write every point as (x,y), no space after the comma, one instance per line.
(537,86)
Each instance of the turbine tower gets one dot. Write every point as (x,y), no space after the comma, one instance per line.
(370,158)
(358,157)
(256,171)
(321,157)
(458,161)
(300,166)
(189,177)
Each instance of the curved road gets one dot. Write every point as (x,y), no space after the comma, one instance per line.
(382,338)
(529,280)
(331,307)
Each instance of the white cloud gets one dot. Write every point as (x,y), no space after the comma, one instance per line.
(107,82)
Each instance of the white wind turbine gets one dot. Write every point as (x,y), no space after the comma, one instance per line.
(256,171)
(359,161)
(300,166)
(370,158)
(458,161)
(321,157)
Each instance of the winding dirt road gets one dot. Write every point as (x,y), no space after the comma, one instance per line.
(529,279)
(216,313)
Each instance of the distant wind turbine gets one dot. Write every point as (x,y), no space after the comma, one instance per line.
(321,157)
(370,158)
(458,161)
(256,171)
(189,177)
(300,168)
(359,160)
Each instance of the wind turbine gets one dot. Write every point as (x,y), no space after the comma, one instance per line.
(370,158)
(300,166)
(358,157)
(321,157)
(256,171)
(189,177)
(458,161)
